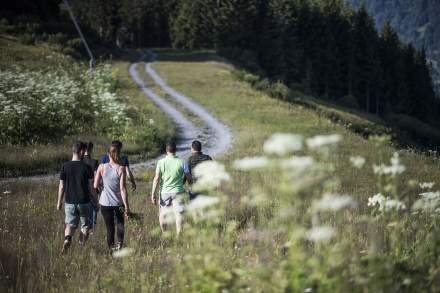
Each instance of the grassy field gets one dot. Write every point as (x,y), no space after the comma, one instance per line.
(260,240)
(43,158)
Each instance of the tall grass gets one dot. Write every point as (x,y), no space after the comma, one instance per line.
(289,219)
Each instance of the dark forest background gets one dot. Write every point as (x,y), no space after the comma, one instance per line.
(416,22)
(321,47)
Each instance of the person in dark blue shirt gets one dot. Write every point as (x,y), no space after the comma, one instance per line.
(124,162)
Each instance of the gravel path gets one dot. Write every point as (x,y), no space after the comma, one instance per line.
(215,136)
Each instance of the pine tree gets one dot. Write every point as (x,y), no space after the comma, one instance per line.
(389,58)
(367,73)
(238,21)
(194,25)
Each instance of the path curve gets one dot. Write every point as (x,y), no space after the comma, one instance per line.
(216,135)
(221,138)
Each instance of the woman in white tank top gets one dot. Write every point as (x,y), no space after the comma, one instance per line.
(113,199)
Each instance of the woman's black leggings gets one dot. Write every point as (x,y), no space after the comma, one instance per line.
(110,214)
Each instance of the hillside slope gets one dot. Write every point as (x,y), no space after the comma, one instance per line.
(252,231)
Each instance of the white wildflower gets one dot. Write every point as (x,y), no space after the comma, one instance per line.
(201,202)
(320,234)
(258,199)
(394,169)
(385,203)
(376,199)
(428,202)
(334,202)
(283,143)
(431,195)
(168,215)
(426,185)
(297,163)
(210,174)
(323,140)
(151,121)
(209,215)
(123,252)
(357,162)
(393,204)
(251,163)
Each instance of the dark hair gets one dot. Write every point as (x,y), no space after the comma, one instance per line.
(117,143)
(197,146)
(77,147)
(89,146)
(171,147)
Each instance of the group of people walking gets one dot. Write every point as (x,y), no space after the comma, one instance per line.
(87,186)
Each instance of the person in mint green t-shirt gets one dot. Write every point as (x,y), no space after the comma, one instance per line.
(171,172)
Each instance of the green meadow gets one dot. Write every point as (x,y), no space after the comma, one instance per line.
(294,216)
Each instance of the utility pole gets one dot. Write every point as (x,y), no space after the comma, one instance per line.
(67,7)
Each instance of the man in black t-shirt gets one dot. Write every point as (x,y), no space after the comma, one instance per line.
(76,179)
(196,158)
(87,157)
(92,163)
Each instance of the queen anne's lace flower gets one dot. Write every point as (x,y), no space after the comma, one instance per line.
(320,234)
(123,252)
(202,201)
(357,162)
(210,174)
(283,144)
(334,202)
(394,169)
(323,140)
(429,202)
(384,204)
(426,185)
(52,102)
(251,163)
(298,164)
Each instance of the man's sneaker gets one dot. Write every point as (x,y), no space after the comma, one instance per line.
(83,237)
(66,246)
(118,246)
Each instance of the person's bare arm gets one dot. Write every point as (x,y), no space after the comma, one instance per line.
(156,181)
(96,186)
(131,177)
(93,193)
(60,195)
(123,187)
(98,176)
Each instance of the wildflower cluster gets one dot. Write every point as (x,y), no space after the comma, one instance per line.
(46,106)
(395,168)
(383,204)
(428,202)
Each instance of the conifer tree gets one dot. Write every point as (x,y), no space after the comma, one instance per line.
(367,73)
